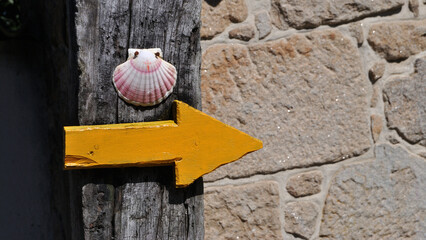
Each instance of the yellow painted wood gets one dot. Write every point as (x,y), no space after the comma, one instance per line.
(195,142)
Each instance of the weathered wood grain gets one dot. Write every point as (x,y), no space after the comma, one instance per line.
(147,204)
(84,186)
(152,208)
(102,36)
(98,210)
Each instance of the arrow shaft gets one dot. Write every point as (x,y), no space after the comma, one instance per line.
(145,144)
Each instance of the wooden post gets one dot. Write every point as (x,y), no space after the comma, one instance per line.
(134,203)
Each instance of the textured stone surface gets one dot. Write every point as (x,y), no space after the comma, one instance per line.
(375,97)
(376,126)
(356,31)
(405,104)
(217,15)
(381,199)
(263,24)
(304,184)
(300,219)
(392,139)
(303,96)
(310,14)
(396,41)
(242,212)
(376,71)
(413,5)
(244,32)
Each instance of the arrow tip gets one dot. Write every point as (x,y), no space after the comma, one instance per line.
(216,144)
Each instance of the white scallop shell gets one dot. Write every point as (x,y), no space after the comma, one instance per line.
(145,79)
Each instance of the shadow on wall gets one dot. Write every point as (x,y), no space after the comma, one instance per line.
(29,146)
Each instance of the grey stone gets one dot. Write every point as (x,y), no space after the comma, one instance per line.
(413,5)
(300,219)
(357,32)
(405,104)
(375,98)
(218,15)
(380,199)
(263,24)
(396,41)
(305,184)
(376,71)
(302,96)
(392,139)
(245,32)
(248,211)
(311,14)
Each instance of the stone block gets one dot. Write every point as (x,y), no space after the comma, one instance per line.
(248,211)
(218,15)
(311,14)
(375,98)
(305,184)
(357,32)
(413,5)
(381,199)
(263,24)
(304,96)
(405,104)
(376,126)
(376,71)
(300,219)
(396,41)
(244,32)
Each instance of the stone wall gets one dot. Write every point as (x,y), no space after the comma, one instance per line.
(336,90)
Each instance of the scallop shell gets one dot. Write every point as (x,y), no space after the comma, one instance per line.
(145,79)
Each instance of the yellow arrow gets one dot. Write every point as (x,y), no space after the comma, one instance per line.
(195,142)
